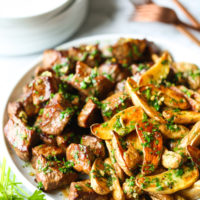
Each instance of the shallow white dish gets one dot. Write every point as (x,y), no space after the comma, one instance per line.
(34,34)
(178,52)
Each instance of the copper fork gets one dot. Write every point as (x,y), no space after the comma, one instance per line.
(152,12)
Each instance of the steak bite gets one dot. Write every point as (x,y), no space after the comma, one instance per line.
(120,86)
(89,114)
(82,191)
(81,156)
(48,139)
(42,87)
(113,72)
(95,144)
(89,54)
(46,151)
(88,82)
(115,103)
(55,116)
(21,137)
(53,174)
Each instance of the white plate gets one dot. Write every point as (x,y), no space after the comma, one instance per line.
(178,51)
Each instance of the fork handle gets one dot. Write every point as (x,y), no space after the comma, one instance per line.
(183,30)
(187,13)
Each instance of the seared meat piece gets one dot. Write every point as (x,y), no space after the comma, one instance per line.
(53,174)
(95,144)
(81,156)
(27,101)
(46,151)
(89,54)
(14,108)
(113,72)
(21,137)
(82,191)
(65,139)
(48,139)
(120,86)
(89,114)
(88,82)
(55,116)
(128,50)
(42,87)
(115,103)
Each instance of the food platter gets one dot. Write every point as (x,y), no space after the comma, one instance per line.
(23,173)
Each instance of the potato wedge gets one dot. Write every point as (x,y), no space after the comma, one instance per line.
(166,95)
(170,181)
(119,172)
(98,179)
(173,131)
(133,139)
(171,160)
(181,117)
(192,97)
(192,192)
(155,196)
(152,143)
(138,100)
(194,154)
(117,192)
(193,138)
(157,72)
(122,123)
(126,158)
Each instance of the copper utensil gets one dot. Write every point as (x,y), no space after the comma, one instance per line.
(154,13)
(187,13)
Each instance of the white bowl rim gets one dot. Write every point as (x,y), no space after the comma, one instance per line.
(84,40)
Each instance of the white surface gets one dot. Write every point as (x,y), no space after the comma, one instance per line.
(27,8)
(15,163)
(106,16)
(19,37)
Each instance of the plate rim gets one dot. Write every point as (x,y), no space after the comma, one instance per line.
(92,39)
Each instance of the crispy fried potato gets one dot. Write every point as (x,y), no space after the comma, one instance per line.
(158,71)
(155,196)
(181,117)
(133,139)
(122,123)
(192,97)
(192,192)
(170,181)
(171,159)
(173,131)
(178,197)
(152,142)
(192,138)
(194,154)
(97,177)
(126,158)
(117,192)
(131,87)
(119,172)
(190,72)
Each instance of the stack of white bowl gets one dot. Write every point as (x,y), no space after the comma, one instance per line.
(30,26)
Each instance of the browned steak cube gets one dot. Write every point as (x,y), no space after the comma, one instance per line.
(89,54)
(48,139)
(128,50)
(88,82)
(46,151)
(21,137)
(14,108)
(55,116)
(53,174)
(95,144)
(82,191)
(89,114)
(81,156)
(65,139)
(115,103)
(42,87)
(113,72)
